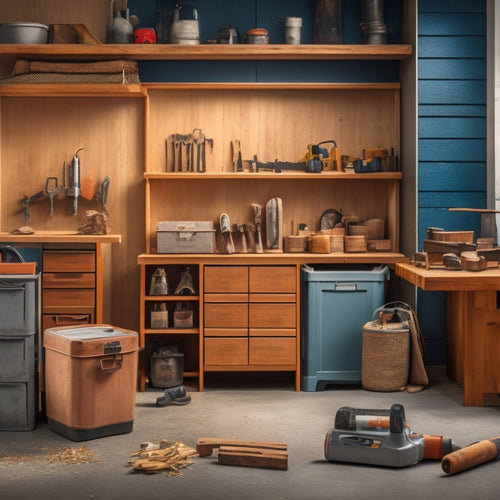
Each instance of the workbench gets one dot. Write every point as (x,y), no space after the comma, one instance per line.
(473,327)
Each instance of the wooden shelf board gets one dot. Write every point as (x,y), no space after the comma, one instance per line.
(273,175)
(72,90)
(173,298)
(272,86)
(172,331)
(206,51)
(59,237)
(275,258)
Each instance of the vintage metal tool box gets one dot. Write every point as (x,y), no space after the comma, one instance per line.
(185,237)
(90,380)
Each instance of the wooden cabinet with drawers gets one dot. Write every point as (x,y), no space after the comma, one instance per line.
(250,318)
(68,287)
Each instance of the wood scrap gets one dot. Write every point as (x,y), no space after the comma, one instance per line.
(166,458)
(268,455)
(471,261)
(253,457)
(205,446)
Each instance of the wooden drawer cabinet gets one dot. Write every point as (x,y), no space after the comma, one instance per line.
(250,320)
(69,286)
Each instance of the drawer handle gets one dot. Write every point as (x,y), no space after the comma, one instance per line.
(112,364)
(16,287)
(346,286)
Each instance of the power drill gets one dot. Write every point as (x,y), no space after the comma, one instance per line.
(381,437)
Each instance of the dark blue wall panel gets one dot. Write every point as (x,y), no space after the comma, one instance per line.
(451,134)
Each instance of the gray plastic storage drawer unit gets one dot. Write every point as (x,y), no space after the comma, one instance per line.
(18,328)
(17,304)
(336,303)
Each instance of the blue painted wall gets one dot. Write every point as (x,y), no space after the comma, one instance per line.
(270,14)
(451,134)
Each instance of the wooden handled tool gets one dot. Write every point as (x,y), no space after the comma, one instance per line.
(471,456)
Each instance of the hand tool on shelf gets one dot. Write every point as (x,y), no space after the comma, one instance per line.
(199,140)
(277,166)
(244,245)
(237,160)
(73,172)
(258,227)
(225,229)
(274,224)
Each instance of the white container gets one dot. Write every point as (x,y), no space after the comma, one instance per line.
(293,26)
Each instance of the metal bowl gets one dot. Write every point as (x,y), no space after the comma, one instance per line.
(24,33)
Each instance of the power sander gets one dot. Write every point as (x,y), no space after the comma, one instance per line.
(381,437)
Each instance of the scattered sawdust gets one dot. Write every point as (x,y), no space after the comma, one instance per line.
(17,459)
(68,456)
(166,458)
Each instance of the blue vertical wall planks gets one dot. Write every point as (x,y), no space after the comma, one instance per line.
(451,134)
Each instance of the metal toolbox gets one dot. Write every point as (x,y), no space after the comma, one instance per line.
(185,237)
(90,380)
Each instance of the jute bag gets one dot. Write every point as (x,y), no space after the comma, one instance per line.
(393,350)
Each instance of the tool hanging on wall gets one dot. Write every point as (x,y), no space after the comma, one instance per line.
(73,172)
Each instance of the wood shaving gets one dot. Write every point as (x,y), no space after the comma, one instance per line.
(168,459)
(68,456)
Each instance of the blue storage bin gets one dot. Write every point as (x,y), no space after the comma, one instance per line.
(336,303)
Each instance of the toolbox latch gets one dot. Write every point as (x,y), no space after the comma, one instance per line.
(112,347)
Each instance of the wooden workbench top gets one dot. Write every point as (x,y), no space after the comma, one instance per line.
(59,237)
(446,280)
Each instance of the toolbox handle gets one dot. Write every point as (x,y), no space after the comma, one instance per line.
(112,364)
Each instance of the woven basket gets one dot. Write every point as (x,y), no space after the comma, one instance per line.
(385,357)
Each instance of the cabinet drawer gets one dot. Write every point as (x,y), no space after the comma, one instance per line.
(225,297)
(226,315)
(272,297)
(68,280)
(272,315)
(80,297)
(272,351)
(53,320)
(272,332)
(224,279)
(273,279)
(68,261)
(226,332)
(226,351)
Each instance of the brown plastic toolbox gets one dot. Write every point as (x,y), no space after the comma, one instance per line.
(90,380)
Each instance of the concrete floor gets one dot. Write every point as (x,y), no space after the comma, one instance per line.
(262,410)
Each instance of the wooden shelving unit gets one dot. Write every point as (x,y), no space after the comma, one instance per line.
(277,121)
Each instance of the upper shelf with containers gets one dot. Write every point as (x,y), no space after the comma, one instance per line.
(214,30)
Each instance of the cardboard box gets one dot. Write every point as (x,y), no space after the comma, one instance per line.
(185,237)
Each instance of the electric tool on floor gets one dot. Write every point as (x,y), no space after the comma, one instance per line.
(381,437)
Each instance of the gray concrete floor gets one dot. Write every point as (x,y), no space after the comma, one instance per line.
(261,410)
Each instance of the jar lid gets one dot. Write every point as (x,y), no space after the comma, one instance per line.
(257,32)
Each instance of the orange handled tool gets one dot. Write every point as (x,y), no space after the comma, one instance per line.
(471,456)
